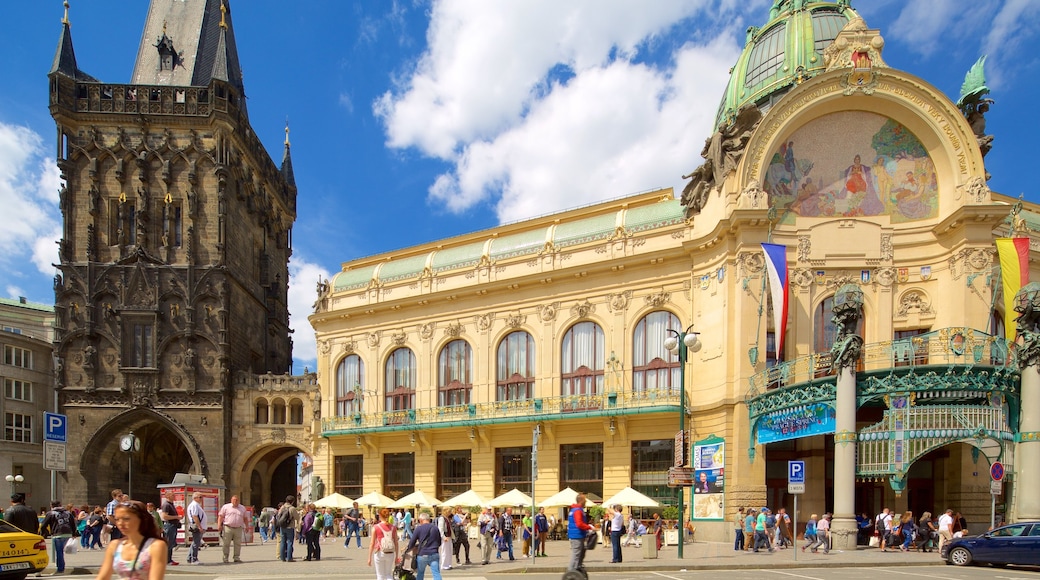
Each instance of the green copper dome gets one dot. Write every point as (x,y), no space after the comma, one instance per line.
(788,49)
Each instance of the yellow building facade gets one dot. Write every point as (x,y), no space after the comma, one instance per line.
(438,362)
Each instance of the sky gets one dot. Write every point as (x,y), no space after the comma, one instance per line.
(416,120)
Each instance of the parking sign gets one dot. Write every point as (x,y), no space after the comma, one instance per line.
(795,477)
(54,427)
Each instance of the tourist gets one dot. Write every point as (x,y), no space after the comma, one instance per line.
(196,525)
(171,523)
(428,538)
(231,523)
(141,553)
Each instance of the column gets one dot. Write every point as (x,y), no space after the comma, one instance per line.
(848,304)
(1027,440)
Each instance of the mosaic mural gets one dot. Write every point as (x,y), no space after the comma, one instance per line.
(852,164)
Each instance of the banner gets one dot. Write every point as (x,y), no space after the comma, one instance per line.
(796,422)
(709,483)
(1014,272)
(776,267)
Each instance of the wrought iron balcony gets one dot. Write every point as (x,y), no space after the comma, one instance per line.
(513,411)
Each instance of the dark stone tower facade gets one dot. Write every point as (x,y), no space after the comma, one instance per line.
(173,258)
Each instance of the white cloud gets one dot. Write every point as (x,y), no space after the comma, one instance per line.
(12,291)
(1012,32)
(29,195)
(303,278)
(486,97)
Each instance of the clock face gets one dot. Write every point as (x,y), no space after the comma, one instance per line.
(129,442)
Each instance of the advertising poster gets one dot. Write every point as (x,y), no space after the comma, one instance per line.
(709,483)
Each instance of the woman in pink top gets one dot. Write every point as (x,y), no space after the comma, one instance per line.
(141,553)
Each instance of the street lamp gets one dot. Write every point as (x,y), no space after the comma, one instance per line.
(681,343)
(13,479)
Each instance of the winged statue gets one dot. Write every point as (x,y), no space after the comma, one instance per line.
(973,103)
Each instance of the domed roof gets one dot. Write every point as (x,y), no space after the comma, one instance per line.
(788,49)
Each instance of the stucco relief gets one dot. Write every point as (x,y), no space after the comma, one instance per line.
(619,302)
(483,321)
(425,330)
(802,278)
(454,330)
(349,346)
(914,300)
(886,247)
(398,338)
(547,312)
(750,263)
(515,321)
(373,339)
(657,299)
(804,248)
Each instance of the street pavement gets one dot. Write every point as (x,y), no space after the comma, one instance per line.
(260,561)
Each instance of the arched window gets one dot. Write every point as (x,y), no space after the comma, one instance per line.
(516,367)
(278,412)
(296,412)
(653,367)
(350,384)
(262,412)
(454,373)
(582,360)
(400,380)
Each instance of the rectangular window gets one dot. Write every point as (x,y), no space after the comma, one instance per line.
(651,461)
(172,224)
(399,474)
(906,350)
(512,469)
(18,427)
(18,357)
(140,344)
(453,473)
(122,223)
(581,467)
(12,330)
(349,469)
(18,390)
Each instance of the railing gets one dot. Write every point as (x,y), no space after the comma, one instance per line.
(947,346)
(534,409)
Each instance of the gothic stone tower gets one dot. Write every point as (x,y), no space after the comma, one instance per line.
(173,258)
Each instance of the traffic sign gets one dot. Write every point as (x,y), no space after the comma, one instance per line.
(54,456)
(996,471)
(996,487)
(54,427)
(680,448)
(795,477)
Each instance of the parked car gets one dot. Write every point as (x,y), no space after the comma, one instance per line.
(21,553)
(1012,544)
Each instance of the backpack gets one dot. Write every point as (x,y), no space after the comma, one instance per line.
(62,523)
(457,531)
(284,519)
(386,543)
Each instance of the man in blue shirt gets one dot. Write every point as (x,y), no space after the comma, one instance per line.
(428,538)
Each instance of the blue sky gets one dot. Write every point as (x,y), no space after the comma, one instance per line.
(413,121)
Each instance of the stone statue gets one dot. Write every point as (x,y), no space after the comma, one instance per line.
(189,358)
(1027,305)
(89,357)
(59,372)
(973,104)
(848,307)
(722,151)
(323,290)
(317,402)
(319,487)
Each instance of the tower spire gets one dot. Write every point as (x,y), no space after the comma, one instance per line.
(287,169)
(65,57)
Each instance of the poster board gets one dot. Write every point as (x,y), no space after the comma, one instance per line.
(709,482)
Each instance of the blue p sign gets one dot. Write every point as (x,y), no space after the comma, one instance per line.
(795,472)
(54,427)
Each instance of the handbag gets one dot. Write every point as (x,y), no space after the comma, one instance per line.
(875,541)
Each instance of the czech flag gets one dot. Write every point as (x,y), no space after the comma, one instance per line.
(776,266)
(1014,272)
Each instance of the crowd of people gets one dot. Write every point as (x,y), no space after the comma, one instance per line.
(759,529)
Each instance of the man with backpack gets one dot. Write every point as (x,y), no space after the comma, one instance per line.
(58,525)
(285,521)
(505,533)
(488,528)
(459,534)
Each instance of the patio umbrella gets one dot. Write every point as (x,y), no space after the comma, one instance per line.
(374,499)
(335,500)
(631,498)
(512,498)
(563,498)
(468,499)
(415,499)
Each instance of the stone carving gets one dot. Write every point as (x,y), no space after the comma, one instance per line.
(454,330)
(323,289)
(1027,305)
(373,339)
(750,263)
(887,250)
(856,47)
(847,309)
(143,394)
(722,151)
(885,276)
(582,309)
(619,302)
(657,299)
(916,300)
(484,321)
(398,338)
(977,190)
(425,330)
(802,278)
(349,346)
(753,196)
(515,321)
(89,358)
(804,248)
(974,105)
(324,346)
(548,312)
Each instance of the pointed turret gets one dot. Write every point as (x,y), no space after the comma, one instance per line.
(188,43)
(287,170)
(65,56)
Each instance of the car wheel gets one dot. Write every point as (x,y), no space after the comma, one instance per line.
(960,556)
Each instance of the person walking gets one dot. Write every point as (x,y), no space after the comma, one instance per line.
(311,530)
(577,529)
(505,532)
(488,530)
(285,520)
(353,529)
(58,525)
(945,528)
(749,529)
(380,554)
(95,522)
(617,529)
(823,533)
(110,511)
(810,531)
(460,534)
(632,538)
(231,522)
(738,539)
(141,553)
(264,523)
(658,530)
(906,528)
(196,524)
(428,537)
(526,533)
(171,523)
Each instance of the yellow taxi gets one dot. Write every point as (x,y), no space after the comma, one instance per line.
(21,553)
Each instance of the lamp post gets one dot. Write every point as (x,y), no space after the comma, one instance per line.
(13,479)
(681,343)
(129,444)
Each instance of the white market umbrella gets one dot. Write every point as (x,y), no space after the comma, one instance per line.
(563,498)
(468,499)
(335,500)
(629,497)
(511,498)
(415,499)
(374,499)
